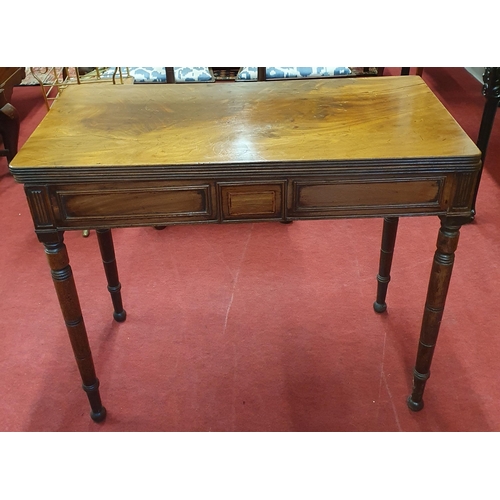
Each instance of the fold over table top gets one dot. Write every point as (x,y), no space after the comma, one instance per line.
(393,119)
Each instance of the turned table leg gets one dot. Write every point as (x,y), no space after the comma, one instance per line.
(105,240)
(434,306)
(386,252)
(64,283)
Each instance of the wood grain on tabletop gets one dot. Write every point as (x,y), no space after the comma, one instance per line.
(307,120)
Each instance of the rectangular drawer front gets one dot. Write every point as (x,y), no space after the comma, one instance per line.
(330,197)
(251,201)
(188,202)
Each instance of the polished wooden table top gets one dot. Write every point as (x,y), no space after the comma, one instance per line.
(341,120)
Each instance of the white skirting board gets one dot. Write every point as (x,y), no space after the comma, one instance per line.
(477,73)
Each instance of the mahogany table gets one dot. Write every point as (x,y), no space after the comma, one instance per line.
(152,155)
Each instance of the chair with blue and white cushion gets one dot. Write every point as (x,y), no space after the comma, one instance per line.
(177,74)
(253,73)
(197,74)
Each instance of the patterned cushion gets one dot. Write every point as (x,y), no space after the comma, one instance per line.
(139,74)
(198,74)
(159,75)
(275,72)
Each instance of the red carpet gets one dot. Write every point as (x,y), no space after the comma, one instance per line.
(256,327)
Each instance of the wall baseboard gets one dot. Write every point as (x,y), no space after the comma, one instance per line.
(477,73)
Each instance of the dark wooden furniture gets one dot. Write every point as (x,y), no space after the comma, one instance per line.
(406,71)
(491,91)
(9,117)
(225,73)
(317,149)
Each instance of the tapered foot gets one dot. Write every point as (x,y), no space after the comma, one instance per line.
(379,308)
(98,416)
(286,221)
(120,317)
(414,406)
(159,228)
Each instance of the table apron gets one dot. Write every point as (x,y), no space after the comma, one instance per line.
(92,205)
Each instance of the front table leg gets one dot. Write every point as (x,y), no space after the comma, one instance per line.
(434,306)
(64,283)
(109,262)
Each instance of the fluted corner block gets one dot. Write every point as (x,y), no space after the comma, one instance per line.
(40,208)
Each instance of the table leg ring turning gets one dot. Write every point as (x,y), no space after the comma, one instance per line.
(439,281)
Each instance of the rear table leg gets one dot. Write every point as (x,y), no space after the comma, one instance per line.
(386,252)
(109,261)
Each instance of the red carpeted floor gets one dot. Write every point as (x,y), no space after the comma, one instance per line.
(255,327)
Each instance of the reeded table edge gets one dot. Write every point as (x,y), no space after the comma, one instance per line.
(243,170)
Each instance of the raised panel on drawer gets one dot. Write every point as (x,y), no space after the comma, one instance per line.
(363,196)
(251,201)
(190,202)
